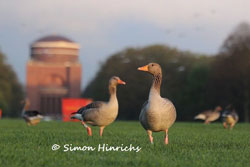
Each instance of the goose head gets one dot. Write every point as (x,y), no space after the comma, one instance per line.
(218,108)
(152,68)
(114,81)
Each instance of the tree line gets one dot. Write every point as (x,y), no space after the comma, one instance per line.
(193,82)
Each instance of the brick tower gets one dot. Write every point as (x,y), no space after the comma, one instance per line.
(53,72)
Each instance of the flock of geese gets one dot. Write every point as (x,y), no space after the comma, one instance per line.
(157,113)
(229,116)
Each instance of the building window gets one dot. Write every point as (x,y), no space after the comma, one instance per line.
(51,105)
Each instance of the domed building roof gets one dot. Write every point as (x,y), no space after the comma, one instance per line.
(53,38)
(54,48)
(54,41)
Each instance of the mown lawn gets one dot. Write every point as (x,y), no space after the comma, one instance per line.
(190,144)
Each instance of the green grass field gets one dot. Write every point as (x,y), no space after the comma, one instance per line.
(190,144)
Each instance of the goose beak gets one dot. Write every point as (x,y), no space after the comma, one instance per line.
(121,82)
(144,68)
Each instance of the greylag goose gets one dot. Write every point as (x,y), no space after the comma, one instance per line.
(157,114)
(32,117)
(100,113)
(229,117)
(209,115)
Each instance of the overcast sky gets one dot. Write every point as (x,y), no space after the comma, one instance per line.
(103,27)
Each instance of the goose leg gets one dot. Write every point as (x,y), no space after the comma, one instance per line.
(27,121)
(150,136)
(225,125)
(87,127)
(231,126)
(101,130)
(166,136)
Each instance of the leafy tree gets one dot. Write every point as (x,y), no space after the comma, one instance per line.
(232,71)
(11,92)
(198,89)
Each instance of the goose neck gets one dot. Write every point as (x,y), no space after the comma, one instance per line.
(156,86)
(112,93)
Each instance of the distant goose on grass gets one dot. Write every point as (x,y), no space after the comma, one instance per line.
(157,114)
(229,117)
(209,115)
(32,117)
(100,113)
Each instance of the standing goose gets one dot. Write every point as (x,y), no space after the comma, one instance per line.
(229,117)
(157,114)
(32,117)
(100,113)
(209,115)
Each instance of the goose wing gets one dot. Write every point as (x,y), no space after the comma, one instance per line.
(142,115)
(32,113)
(82,111)
(94,105)
(232,114)
(235,116)
(203,115)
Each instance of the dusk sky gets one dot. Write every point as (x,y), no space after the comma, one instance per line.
(105,27)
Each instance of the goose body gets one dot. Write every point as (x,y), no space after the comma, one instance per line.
(32,117)
(100,113)
(229,117)
(157,113)
(209,115)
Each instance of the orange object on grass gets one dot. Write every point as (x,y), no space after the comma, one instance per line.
(0,113)
(70,105)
